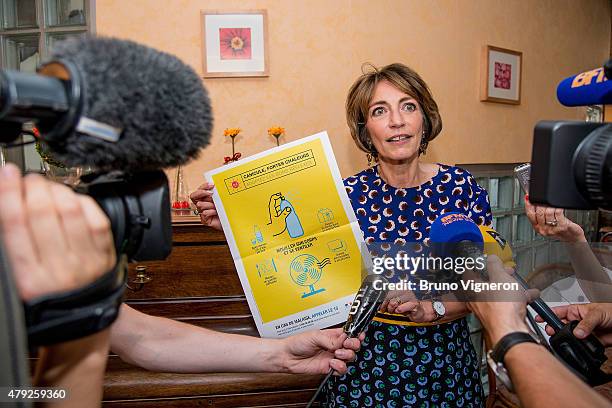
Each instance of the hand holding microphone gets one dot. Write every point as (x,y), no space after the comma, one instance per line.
(367,301)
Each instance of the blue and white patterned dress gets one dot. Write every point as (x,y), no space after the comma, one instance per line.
(402,365)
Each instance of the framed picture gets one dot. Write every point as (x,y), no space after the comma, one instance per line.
(501,75)
(235,44)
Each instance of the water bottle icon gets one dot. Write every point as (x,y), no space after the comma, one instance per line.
(294,227)
(258,234)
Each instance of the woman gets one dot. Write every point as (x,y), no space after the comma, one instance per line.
(392,117)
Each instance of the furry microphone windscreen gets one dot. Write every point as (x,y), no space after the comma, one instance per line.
(158,102)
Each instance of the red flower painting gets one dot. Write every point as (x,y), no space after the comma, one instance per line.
(503,75)
(235,43)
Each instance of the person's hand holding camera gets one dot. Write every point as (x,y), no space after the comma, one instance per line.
(56,240)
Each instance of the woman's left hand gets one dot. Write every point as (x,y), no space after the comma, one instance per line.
(405,303)
(551,222)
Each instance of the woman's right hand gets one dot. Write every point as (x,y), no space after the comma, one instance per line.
(202,199)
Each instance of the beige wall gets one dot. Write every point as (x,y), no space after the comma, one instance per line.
(316,48)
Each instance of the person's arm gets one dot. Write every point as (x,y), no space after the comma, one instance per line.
(551,222)
(421,311)
(76,366)
(160,344)
(539,379)
(57,241)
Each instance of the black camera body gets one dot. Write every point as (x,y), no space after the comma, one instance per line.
(572,165)
(138,207)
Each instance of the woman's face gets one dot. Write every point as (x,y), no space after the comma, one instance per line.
(395,123)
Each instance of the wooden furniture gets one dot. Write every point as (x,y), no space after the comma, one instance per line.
(198,284)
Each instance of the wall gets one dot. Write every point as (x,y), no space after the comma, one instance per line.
(316,48)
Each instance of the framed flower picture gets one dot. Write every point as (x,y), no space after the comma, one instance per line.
(234,44)
(500,75)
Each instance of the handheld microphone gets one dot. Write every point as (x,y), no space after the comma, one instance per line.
(586,356)
(368,299)
(587,88)
(112,104)
(465,238)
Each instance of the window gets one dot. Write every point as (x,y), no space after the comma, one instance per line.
(28,30)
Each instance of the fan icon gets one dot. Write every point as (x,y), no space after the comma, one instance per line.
(306,270)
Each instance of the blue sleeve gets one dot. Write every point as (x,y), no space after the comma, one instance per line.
(480,209)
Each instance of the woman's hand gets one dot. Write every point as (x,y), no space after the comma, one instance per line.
(202,199)
(404,302)
(551,222)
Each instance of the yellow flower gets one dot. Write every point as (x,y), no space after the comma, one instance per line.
(276,131)
(232,132)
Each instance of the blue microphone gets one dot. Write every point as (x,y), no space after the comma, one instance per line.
(587,88)
(455,234)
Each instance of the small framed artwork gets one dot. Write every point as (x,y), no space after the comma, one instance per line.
(501,75)
(235,44)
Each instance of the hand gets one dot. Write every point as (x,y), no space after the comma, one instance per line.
(552,222)
(405,302)
(277,217)
(202,199)
(55,240)
(594,318)
(504,315)
(315,352)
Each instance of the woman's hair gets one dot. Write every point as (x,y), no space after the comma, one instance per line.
(404,79)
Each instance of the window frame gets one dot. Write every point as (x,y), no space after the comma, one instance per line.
(18,155)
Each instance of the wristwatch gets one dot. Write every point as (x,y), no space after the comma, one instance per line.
(495,357)
(438,308)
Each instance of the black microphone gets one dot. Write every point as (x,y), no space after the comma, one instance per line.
(367,301)
(112,104)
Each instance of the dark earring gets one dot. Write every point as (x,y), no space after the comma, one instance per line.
(423,145)
(371,159)
(371,155)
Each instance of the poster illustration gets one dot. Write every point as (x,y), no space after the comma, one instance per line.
(293,235)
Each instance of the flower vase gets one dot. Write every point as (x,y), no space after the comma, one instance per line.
(180,196)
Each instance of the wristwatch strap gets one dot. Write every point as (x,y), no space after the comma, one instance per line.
(509,340)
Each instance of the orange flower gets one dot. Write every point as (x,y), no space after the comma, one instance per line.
(232,132)
(276,131)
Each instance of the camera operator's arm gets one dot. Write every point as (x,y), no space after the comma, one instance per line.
(56,241)
(552,222)
(594,318)
(202,199)
(161,344)
(539,379)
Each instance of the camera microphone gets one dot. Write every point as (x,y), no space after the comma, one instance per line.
(111,104)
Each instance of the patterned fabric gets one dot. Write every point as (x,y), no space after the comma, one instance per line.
(408,366)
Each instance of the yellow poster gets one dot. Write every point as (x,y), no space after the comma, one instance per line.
(293,235)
